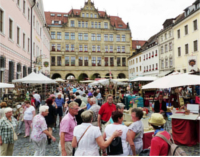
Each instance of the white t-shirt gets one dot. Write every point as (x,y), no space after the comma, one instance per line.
(111,128)
(28,114)
(87,145)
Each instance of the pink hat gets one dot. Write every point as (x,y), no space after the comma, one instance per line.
(52,95)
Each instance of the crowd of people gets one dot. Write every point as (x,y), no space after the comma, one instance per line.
(88,125)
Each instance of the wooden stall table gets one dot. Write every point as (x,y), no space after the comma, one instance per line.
(147,137)
(184,129)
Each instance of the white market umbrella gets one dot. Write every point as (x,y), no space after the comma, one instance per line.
(144,79)
(121,80)
(103,82)
(6,85)
(29,77)
(174,80)
(87,81)
(59,80)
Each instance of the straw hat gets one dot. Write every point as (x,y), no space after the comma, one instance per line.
(157,119)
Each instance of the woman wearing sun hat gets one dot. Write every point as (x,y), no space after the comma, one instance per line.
(158,146)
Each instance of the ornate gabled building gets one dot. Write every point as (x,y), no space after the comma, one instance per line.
(88,43)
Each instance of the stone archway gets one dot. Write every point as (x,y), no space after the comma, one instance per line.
(70,76)
(121,76)
(94,76)
(83,76)
(55,76)
(107,76)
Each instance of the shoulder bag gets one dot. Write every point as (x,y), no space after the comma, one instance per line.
(15,135)
(115,148)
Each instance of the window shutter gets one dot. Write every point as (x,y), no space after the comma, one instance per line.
(12,71)
(4,62)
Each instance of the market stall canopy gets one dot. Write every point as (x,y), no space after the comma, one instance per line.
(31,76)
(105,82)
(144,79)
(6,85)
(59,80)
(174,80)
(121,80)
(87,81)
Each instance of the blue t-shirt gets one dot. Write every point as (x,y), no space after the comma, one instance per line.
(74,90)
(59,102)
(88,106)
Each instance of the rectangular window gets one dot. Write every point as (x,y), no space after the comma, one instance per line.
(186,29)
(1,20)
(111,48)
(86,24)
(86,61)
(92,24)
(170,62)
(91,15)
(118,61)
(24,6)
(106,25)
(66,36)
(195,46)
(118,37)
(18,3)
(93,48)
(86,36)
(18,35)
(105,37)
(123,38)
(53,61)
(98,37)
(141,59)
(106,61)
(67,47)
(178,33)
(83,24)
(24,39)
(58,47)
(93,37)
(80,36)
(72,47)
(195,25)
(58,60)
(34,49)
(161,49)
(98,61)
(140,68)
(123,61)
(80,48)
(58,35)
(179,52)
(118,49)
(28,46)
(111,37)
(83,15)
(98,48)
(79,24)
(66,61)
(166,63)
(165,36)
(93,61)
(72,36)
(166,48)
(123,49)
(186,49)
(72,23)
(162,64)
(106,48)
(33,20)
(28,14)
(111,61)
(10,29)
(53,47)
(80,61)
(99,24)
(95,24)
(72,61)
(85,48)
(87,15)
(170,46)
(95,15)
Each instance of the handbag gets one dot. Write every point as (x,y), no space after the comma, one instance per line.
(15,135)
(145,152)
(115,148)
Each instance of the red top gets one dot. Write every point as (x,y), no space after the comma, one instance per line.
(106,111)
(160,106)
(32,101)
(158,146)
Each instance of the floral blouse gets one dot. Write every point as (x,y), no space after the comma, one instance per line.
(39,125)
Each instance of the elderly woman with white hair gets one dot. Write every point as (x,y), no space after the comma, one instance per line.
(39,131)
(8,126)
(88,138)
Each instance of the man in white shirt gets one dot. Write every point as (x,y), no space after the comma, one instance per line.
(36,96)
(95,108)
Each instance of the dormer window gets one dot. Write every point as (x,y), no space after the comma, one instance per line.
(138,47)
(65,15)
(58,15)
(52,14)
(120,25)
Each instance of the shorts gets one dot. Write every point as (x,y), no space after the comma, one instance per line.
(60,111)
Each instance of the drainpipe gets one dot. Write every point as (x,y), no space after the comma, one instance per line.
(34,1)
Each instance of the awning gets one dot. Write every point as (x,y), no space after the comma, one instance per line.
(165,73)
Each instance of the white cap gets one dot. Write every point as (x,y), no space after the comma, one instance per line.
(18,106)
(8,109)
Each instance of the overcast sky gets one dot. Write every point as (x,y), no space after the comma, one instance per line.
(145,17)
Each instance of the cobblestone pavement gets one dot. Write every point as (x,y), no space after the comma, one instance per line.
(24,147)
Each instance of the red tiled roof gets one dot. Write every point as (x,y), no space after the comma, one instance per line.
(137,42)
(115,20)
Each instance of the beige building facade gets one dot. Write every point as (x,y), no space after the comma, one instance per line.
(88,43)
